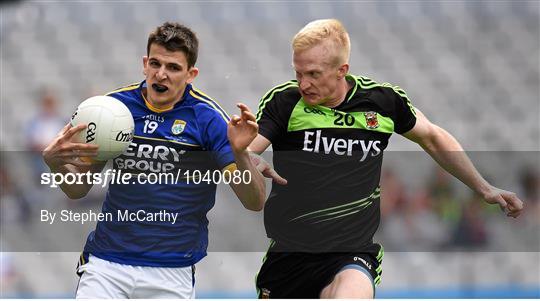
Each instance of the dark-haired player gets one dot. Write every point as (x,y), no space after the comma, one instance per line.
(177,129)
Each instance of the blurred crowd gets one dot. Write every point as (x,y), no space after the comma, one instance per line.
(437,217)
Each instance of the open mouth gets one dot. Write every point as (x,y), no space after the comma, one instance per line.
(159,88)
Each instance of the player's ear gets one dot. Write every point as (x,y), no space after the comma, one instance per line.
(145,63)
(192,74)
(342,71)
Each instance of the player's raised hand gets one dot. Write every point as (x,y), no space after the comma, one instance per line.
(242,129)
(508,201)
(65,150)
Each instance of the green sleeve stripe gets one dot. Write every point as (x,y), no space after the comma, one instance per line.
(348,76)
(380,255)
(366,83)
(270,95)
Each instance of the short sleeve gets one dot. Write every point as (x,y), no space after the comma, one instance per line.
(214,135)
(405,115)
(275,109)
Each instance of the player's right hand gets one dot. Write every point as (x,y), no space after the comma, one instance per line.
(242,130)
(65,150)
(266,170)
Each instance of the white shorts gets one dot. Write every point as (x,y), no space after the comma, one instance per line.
(102,279)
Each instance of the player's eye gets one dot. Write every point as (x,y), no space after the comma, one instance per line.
(174,68)
(314,74)
(154,64)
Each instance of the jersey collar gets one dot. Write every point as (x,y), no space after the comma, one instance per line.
(156,110)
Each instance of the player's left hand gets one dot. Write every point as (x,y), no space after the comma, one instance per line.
(508,201)
(242,129)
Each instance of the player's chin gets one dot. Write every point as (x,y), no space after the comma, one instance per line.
(160,97)
(311,99)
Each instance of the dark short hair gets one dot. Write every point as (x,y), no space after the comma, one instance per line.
(176,37)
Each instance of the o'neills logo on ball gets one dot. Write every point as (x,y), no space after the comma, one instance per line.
(178,127)
(124,137)
(371,120)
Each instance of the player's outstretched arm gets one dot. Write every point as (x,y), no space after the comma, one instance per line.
(449,154)
(241,131)
(63,155)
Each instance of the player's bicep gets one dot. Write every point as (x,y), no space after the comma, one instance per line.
(422,131)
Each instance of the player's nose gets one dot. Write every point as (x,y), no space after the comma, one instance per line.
(162,73)
(304,84)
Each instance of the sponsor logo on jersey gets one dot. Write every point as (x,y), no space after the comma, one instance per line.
(178,127)
(371,120)
(144,157)
(314,142)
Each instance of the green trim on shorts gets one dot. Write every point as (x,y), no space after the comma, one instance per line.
(272,243)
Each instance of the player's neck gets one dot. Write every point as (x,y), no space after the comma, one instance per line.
(342,90)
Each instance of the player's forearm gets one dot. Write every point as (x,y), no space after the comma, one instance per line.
(252,194)
(72,191)
(449,154)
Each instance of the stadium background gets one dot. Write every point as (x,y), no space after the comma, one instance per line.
(470,66)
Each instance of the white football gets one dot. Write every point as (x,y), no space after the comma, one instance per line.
(109,125)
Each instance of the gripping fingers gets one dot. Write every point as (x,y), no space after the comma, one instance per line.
(82,147)
(79,163)
(74,130)
(76,153)
(65,129)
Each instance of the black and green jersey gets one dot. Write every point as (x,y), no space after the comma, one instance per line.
(332,159)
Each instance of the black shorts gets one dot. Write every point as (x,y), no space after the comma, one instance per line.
(287,275)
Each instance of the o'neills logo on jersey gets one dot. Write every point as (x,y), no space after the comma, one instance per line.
(315,143)
(371,120)
(178,127)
